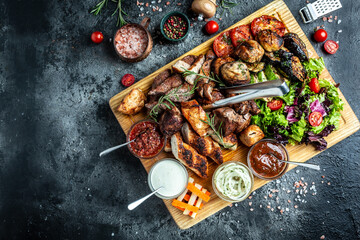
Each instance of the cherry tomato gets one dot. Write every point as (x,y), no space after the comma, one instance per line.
(211,27)
(97,37)
(314,85)
(222,45)
(239,34)
(315,119)
(275,104)
(127,80)
(331,46)
(267,22)
(320,35)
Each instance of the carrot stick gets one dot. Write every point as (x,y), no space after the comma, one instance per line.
(187,197)
(198,193)
(177,203)
(182,209)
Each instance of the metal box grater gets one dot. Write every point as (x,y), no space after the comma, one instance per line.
(313,11)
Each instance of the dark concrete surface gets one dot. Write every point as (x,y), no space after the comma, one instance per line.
(55,119)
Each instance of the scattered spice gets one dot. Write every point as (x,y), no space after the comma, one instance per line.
(175,27)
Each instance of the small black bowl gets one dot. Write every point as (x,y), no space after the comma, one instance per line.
(165,18)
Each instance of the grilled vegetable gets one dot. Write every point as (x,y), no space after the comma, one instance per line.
(292,68)
(255,67)
(270,40)
(235,73)
(250,51)
(296,46)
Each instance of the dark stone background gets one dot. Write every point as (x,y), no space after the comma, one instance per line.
(55,119)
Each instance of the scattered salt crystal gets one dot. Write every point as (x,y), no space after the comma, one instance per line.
(340,31)
(289,201)
(322,237)
(337,42)
(142,9)
(297,171)
(296,206)
(302,178)
(330,20)
(339,21)
(250,203)
(328,201)
(278,207)
(236,204)
(277,181)
(112,234)
(287,209)
(324,19)
(152,2)
(251,209)
(160,9)
(272,209)
(260,206)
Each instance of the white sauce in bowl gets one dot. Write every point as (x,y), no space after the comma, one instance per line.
(171,175)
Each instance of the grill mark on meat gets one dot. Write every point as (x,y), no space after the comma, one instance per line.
(160,78)
(173,81)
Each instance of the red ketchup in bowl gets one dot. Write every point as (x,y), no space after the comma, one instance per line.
(148,139)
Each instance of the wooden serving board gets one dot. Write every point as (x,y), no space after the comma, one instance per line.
(349,123)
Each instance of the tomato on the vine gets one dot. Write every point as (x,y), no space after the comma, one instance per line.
(97,37)
(315,119)
(314,85)
(320,35)
(211,27)
(127,80)
(275,104)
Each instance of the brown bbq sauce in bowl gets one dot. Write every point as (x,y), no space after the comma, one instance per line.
(148,139)
(263,163)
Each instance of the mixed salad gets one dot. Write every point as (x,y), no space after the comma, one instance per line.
(307,114)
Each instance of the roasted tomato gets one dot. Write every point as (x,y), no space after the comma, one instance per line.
(267,22)
(314,85)
(275,104)
(240,34)
(222,45)
(315,119)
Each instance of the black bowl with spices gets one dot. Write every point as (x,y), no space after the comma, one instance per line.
(149,141)
(175,26)
(263,162)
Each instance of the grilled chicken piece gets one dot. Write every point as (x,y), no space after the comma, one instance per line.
(171,82)
(254,108)
(251,135)
(133,102)
(204,145)
(250,51)
(160,78)
(195,67)
(210,54)
(270,40)
(231,121)
(215,96)
(185,88)
(194,113)
(229,142)
(235,73)
(218,62)
(171,121)
(184,64)
(245,107)
(167,147)
(188,156)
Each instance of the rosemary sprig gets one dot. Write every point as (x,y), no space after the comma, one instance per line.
(174,93)
(120,20)
(217,132)
(227,5)
(211,77)
(103,3)
(96,10)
